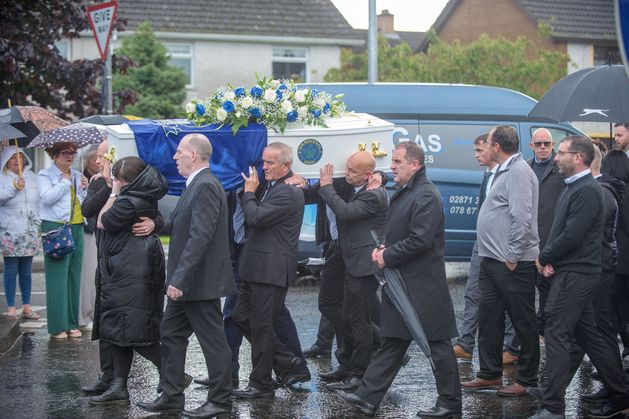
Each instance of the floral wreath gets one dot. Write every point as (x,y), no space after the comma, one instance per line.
(277,104)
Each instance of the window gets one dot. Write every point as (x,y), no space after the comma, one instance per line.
(605,55)
(290,63)
(181,56)
(64,48)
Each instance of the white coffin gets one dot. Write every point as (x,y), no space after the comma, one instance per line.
(312,146)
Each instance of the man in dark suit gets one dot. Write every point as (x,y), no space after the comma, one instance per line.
(365,210)
(550,186)
(268,263)
(199,274)
(415,244)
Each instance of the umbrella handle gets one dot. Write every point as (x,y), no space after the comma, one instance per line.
(19,158)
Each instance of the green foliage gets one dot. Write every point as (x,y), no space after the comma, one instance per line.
(160,88)
(517,65)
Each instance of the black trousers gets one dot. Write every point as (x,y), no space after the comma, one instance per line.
(543,288)
(387,361)
(359,329)
(620,309)
(123,357)
(256,314)
(502,289)
(205,319)
(325,333)
(569,317)
(331,290)
(106,357)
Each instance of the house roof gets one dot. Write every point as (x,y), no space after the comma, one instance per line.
(283,18)
(584,20)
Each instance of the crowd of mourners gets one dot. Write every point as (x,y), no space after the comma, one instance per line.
(555,226)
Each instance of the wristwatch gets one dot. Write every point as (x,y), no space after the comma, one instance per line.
(113,195)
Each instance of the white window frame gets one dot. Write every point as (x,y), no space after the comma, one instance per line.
(305,59)
(180,55)
(68,48)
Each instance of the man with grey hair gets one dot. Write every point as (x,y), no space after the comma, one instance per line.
(268,263)
(199,275)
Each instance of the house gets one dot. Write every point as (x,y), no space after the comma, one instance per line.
(584,29)
(219,41)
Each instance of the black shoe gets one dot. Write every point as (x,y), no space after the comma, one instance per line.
(100,386)
(292,379)
(250,392)
(162,404)
(116,394)
(316,350)
(349,384)
(438,412)
(356,402)
(536,392)
(608,411)
(202,381)
(208,410)
(336,375)
(601,396)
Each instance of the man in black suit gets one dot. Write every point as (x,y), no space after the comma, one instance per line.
(414,243)
(199,274)
(571,260)
(550,186)
(268,263)
(365,210)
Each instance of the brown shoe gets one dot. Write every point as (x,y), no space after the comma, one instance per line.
(512,390)
(508,358)
(461,353)
(482,384)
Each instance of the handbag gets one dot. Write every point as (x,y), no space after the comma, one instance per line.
(59,242)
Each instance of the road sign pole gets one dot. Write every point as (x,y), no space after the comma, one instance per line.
(109,99)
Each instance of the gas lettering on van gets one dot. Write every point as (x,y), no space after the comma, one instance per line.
(400,134)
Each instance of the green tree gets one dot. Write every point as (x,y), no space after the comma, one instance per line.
(160,88)
(517,65)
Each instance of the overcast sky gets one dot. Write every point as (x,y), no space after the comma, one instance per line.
(409,15)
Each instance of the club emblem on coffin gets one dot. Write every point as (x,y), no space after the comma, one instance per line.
(309,151)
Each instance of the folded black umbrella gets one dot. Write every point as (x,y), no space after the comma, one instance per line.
(392,283)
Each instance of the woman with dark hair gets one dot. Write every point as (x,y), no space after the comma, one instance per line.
(132,273)
(616,164)
(61,191)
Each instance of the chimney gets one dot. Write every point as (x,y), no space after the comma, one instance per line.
(385,22)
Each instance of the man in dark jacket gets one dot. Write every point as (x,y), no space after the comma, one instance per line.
(414,243)
(572,257)
(550,186)
(268,263)
(199,274)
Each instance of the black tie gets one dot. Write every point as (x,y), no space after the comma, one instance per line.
(483,188)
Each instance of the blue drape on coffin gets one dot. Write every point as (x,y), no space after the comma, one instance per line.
(157,142)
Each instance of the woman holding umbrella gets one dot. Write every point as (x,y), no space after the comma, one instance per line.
(19,227)
(61,191)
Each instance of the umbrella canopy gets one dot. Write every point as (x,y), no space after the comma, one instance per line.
(105,119)
(31,120)
(80,134)
(9,132)
(596,94)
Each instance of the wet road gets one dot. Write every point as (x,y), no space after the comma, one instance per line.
(41,378)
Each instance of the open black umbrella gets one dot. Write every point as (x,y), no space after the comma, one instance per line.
(392,283)
(596,94)
(105,119)
(30,120)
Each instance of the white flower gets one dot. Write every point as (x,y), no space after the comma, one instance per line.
(230,95)
(275,84)
(246,102)
(190,107)
(238,114)
(302,111)
(287,106)
(300,95)
(269,95)
(221,114)
(320,102)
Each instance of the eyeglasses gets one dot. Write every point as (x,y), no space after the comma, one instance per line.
(542,143)
(561,153)
(68,153)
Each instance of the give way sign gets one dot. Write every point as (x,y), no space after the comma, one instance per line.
(101,18)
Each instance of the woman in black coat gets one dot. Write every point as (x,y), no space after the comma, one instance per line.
(132,273)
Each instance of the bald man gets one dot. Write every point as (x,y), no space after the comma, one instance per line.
(365,210)
(550,186)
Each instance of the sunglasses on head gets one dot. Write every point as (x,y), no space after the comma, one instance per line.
(542,143)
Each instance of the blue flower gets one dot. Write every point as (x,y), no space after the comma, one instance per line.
(316,113)
(240,92)
(326,108)
(282,87)
(256,91)
(291,116)
(314,93)
(255,112)
(228,106)
(278,95)
(200,109)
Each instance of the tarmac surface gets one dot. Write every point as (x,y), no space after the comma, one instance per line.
(41,378)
